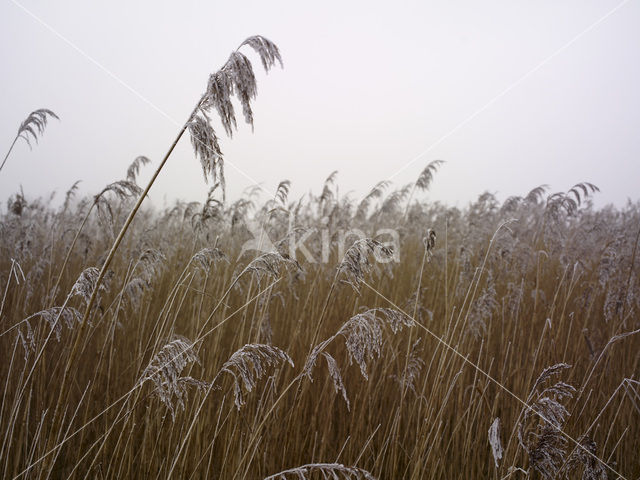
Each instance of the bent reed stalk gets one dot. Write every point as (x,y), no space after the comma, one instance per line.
(243,84)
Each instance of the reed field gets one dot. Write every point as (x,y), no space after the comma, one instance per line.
(324,337)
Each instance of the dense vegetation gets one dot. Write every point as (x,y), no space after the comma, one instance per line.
(326,337)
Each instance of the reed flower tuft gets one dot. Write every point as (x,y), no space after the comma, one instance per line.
(357,261)
(165,370)
(249,364)
(334,471)
(34,125)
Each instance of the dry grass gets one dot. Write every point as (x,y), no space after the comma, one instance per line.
(505,346)
(180,370)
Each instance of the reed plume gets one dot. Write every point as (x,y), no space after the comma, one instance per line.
(249,364)
(357,261)
(31,128)
(335,471)
(165,372)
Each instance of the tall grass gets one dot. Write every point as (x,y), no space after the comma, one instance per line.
(495,341)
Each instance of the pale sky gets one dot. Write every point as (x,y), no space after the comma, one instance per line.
(511,94)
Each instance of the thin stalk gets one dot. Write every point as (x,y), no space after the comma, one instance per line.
(68,436)
(406,210)
(404,388)
(9,152)
(73,244)
(525,404)
(105,266)
(633,262)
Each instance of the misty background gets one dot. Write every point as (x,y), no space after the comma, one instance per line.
(511,95)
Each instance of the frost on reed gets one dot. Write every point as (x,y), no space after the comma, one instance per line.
(494,441)
(165,371)
(419,311)
(53,316)
(122,190)
(540,428)
(336,377)
(135,166)
(363,334)
(329,471)
(31,128)
(426,176)
(429,241)
(150,262)
(211,213)
(249,364)
(148,266)
(357,261)
(392,203)
(205,258)
(442,432)
(206,147)
(282,192)
(327,195)
(585,458)
(411,373)
(375,194)
(269,265)
(86,283)
(569,202)
(483,308)
(235,78)
(34,124)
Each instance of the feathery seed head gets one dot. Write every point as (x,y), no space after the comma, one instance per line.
(494,441)
(165,370)
(356,262)
(540,427)
(249,364)
(333,471)
(206,257)
(134,168)
(426,176)
(266,49)
(34,125)
(206,147)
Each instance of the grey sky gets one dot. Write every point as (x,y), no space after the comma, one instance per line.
(367,86)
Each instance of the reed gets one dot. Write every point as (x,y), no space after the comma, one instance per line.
(498,340)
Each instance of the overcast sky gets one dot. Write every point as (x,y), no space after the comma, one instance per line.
(511,94)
